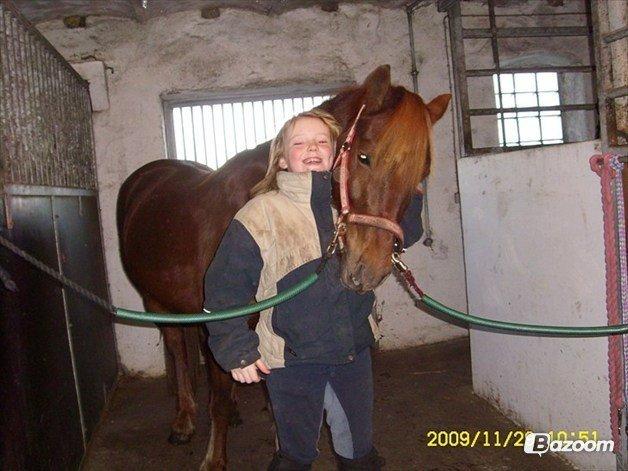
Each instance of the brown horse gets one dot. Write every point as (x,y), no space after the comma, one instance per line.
(172,215)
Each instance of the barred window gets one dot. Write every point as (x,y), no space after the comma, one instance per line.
(524,90)
(212,129)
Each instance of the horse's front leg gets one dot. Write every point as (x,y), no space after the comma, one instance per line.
(183,425)
(222,412)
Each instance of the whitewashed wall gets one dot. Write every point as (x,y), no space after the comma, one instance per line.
(239,50)
(534,249)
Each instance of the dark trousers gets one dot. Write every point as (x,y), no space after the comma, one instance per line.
(299,394)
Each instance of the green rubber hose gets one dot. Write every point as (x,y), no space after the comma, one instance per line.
(596,331)
(229,313)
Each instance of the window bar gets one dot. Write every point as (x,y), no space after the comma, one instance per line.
(204,138)
(252,127)
(235,138)
(460,76)
(283,114)
(495,50)
(223,157)
(515,70)
(592,61)
(183,133)
(526,32)
(272,106)
(193,134)
(538,114)
(489,111)
(215,138)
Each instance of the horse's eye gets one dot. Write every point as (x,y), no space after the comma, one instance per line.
(364,158)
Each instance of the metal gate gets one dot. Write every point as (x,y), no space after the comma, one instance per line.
(58,350)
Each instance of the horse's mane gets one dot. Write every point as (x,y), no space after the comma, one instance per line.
(404,141)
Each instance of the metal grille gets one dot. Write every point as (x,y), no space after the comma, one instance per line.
(45,111)
(612,50)
(473,24)
(528,128)
(210,127)
(211,134)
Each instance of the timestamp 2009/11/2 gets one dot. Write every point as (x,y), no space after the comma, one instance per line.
(497,438)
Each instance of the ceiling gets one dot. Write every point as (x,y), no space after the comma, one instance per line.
(141,10)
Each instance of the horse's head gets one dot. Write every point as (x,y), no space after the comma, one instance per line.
(389,157)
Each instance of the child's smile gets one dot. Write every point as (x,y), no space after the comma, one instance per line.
(308,147)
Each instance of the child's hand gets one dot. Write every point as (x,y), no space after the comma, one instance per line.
(249,374)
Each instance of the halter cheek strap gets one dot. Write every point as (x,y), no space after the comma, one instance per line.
(346,215)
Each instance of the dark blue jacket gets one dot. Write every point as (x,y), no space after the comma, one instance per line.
(273,242)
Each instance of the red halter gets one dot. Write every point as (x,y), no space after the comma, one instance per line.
(345,210)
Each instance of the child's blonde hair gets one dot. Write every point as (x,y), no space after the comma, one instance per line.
(269,182)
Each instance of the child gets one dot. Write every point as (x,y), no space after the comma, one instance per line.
(315,347)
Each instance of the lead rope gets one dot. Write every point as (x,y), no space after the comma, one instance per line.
(57,276)
(601,164)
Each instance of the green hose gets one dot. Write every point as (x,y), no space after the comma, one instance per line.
(229,313)
(597,331)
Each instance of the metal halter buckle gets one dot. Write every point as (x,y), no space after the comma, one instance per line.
(398,263)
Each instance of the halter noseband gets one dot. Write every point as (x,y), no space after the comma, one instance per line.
(348,216)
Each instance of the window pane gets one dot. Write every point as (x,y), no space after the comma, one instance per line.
(249,124)
(260,126)
(308,103)
(269,118)
(199,135)
(526,99)
(552,127)
(178,133)
(525,83)
(508,100)
(188,133)
(240,134)
(278,114)
(529,129)
(210,137)
(547,81)
(229,123)
(211,134)
(507,85)
(549,99)
(512,135)
(221,149)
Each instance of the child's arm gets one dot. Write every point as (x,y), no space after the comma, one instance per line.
(231,280)
(411,221)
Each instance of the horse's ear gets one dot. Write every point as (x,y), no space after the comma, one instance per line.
(438,106)
(376,87)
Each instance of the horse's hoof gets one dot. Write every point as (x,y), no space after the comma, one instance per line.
(177,438)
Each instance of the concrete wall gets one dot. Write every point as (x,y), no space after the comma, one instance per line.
(241,50)
(534,249)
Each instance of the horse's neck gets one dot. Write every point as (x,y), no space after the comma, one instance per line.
(232,183)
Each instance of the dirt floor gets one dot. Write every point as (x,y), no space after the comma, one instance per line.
(417,390)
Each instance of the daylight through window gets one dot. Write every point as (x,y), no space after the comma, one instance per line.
(528,128)
(212,133)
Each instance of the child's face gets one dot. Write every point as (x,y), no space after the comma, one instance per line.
(307,147)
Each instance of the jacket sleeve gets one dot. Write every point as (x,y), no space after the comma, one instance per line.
(231,280)
(411,221)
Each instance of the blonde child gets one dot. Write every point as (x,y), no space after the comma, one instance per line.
(313,348)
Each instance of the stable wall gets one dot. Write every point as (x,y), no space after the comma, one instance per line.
(244,50)
(534,250)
